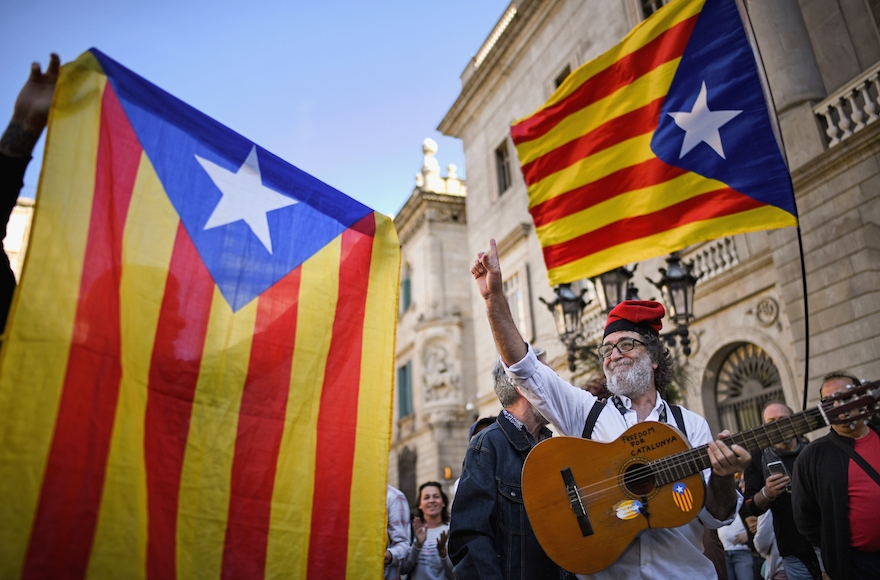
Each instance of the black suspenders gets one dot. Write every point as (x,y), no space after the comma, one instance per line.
(590,423)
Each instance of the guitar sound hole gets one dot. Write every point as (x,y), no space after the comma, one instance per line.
(638,479)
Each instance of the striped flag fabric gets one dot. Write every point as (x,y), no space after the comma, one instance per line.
(682,497)
(664,141)
(197,376)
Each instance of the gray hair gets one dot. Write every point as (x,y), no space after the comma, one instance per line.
(665,371)
(504,388)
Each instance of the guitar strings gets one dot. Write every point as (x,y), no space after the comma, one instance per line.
(665,470)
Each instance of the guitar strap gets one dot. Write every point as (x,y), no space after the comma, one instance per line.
(593,416)
(858,459)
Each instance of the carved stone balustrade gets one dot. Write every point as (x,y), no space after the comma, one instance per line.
(851,108)
(712,258)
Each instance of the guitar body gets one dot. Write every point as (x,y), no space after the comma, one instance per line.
(616,490)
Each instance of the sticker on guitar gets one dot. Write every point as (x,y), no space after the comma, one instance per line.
(629,509)
(682,497)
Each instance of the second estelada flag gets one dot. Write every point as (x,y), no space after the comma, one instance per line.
(664,141)
(197,377)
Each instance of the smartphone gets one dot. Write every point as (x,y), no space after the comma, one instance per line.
(776,467)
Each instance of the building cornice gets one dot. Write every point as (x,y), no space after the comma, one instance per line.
(519,232)
(415,211)
(530,14)
(838,159)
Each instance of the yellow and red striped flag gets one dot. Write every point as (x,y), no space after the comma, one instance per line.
(197,377)
(664,141)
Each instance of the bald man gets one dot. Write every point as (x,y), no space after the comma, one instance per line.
(771,490)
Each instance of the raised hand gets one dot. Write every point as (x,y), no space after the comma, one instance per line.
(487,272)
(441,544)
(420,529)
(31,110)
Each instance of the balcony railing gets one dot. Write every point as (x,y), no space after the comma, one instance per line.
(852,108)
(712,258)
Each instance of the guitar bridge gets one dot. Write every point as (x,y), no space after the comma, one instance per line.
(577,502)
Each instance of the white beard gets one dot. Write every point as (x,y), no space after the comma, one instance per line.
(631,378)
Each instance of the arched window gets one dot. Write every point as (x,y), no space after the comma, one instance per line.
(746,381)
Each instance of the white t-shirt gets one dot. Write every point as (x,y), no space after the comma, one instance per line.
(728,534)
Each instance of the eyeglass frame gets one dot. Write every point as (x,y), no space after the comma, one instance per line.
(617,346)
(824,400)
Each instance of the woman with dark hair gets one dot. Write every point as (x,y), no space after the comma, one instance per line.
(428,558)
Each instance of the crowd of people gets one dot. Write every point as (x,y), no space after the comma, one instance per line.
(796,509)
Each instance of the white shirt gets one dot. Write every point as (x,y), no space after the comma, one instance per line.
(658,553)
(765,543)
(397,530)
(727,534)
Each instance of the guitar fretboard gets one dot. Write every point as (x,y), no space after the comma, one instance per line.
(687,463)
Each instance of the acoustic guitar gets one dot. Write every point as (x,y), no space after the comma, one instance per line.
(587,501)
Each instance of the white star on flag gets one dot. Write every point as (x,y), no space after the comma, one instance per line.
(244,197)
(701,125)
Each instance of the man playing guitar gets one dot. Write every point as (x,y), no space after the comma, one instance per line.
(637,367)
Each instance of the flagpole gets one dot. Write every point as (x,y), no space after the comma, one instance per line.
(806,317)
(774,122)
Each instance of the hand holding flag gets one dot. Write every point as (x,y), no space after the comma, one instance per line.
(197,376)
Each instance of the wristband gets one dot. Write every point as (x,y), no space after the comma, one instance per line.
(768,498)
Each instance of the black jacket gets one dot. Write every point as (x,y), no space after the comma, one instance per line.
(11,181)
(820,501)
(788,540)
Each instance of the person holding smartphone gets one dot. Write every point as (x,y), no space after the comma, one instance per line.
(768,487)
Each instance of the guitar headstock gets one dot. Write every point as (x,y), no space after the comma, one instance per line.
(852,404)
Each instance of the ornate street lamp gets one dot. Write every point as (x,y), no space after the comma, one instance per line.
(677,286)
(567,310)
(613,287)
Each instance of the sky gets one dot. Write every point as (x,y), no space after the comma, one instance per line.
(344,90)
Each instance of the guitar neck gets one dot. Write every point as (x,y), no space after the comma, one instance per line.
(687,463)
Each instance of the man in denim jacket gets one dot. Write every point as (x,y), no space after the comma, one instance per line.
(490,534)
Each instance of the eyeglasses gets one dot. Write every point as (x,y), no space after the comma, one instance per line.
(623,345)
(831,396)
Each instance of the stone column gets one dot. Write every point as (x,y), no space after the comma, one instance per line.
(793,74)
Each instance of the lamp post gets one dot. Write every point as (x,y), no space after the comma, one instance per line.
(614,286)
(677,284)
(567,310)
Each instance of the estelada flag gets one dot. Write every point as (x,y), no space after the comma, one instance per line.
(197,376)
(664,141)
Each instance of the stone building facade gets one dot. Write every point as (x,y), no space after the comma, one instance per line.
(18,232)
(822,59)
(435,350)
